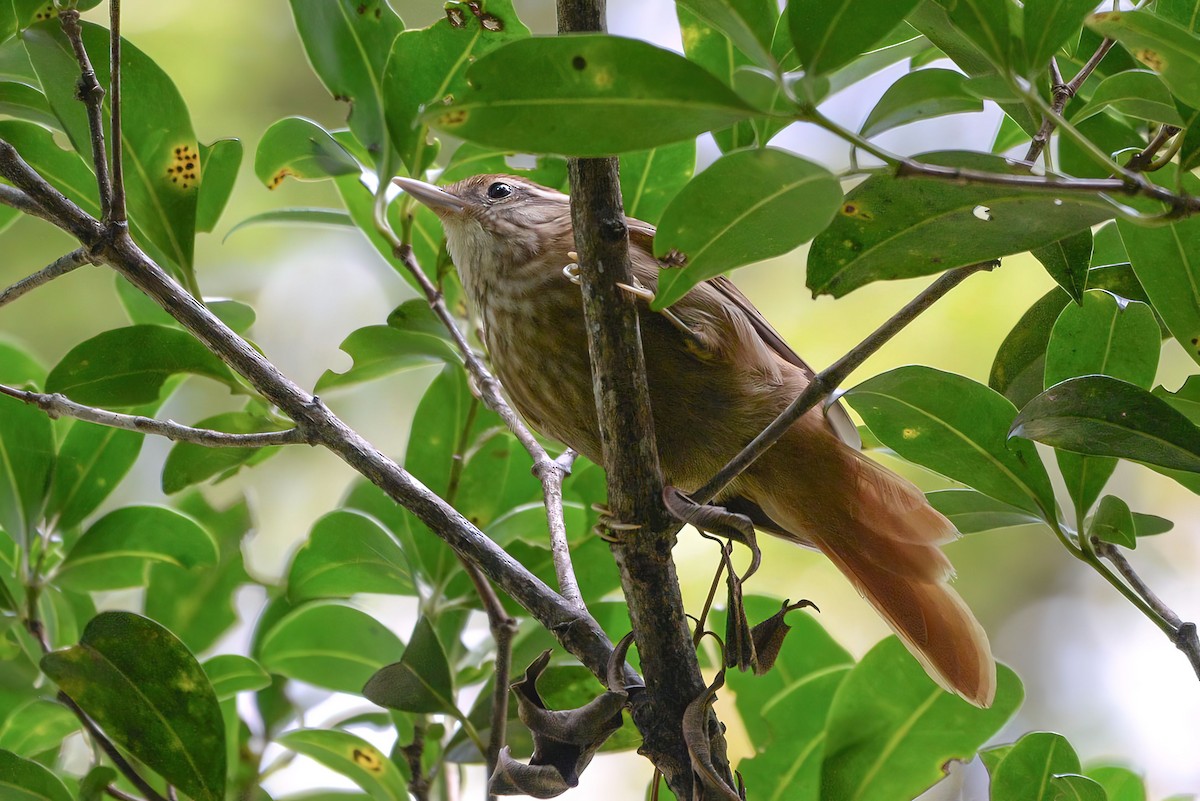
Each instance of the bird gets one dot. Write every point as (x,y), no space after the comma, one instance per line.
(718,373)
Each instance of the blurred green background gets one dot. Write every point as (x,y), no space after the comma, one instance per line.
(1093,668)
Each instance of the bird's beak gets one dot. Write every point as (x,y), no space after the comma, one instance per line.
(437,199)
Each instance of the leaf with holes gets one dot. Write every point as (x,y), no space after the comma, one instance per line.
(829,35)
(129,366)
(920,95)
(956,427)
(1170,50)
(301,149)
(892,228)
(891,729)
(348,553)
(747,206)
(1102,416)
(1105,335)
(117,550)
(150,695)
(329,645)
(352,757)
(427,67)
(420,681)
(347,42)
(163,170)
(414,337)
(592,98)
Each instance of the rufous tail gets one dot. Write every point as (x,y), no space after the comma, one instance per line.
(883,535)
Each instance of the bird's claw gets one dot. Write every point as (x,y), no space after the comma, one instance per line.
(608,528)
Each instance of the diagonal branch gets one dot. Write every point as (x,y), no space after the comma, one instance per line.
(91,93)
(62,266)
(1062,94)
(826,381)
(56,405)
(14,198)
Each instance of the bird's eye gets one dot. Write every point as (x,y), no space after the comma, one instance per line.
(499,190)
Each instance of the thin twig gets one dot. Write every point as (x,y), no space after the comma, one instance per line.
(62,266)
(15,198)
(56,405)
(1144,160)
(504,628)
(1185,638)
(414,754)
(47,202)
(91,94)
(117,211)
(116,792)
(828,379)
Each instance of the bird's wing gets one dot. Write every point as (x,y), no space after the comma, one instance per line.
(641,234)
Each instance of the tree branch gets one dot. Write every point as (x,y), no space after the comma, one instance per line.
(504,629)
(62,266)
(15,198)
(56,405)
(1062,94)
(635,484)
(91,94)
(117,210)
(826,381)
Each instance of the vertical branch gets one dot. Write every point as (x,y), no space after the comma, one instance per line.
(504,628)
(91,94)
(635,482)
(117,210)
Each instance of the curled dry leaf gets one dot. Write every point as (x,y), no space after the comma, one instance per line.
(700,742)
(564,741)
(768,636)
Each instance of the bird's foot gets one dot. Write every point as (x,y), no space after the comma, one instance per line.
(608,527)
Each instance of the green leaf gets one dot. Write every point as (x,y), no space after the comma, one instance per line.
(334,218)
(37,727)
(428,66)
(972,511)
(300,148)
(920,95)
(747,206)
(893,227)
(1169,49)
(235,314)
(651,178)
(749,24)
(1120,783)
(527,523)
(117,550)
(1105,335)
(197,605)
(1145,525)
(352,757)
(420,681)
(62,169)
(1026,770)
(150,695)
(1073,787)
(1049,25)
(26,462)
(1067,262)
(329,645)
(829,35)
(231,674)
(1102,416)
(1113,523)
(188,463)
(128,366)
(348,553)
(714,51)
(592,99)
(986,24)
(1018,371)
(1164,258)
(956,427)
(25,102)
(221,161)
(163,170)
(26,780)
(413,337)
(91,463)
(347,42)
(1134,93)
(891,729)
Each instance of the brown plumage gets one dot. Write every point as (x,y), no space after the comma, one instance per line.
(712,390)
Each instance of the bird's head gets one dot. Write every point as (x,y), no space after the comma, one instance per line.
(495,222)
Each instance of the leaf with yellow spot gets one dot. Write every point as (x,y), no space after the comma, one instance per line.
(301,149)
(352,757)
(1165,47)
(150,696)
